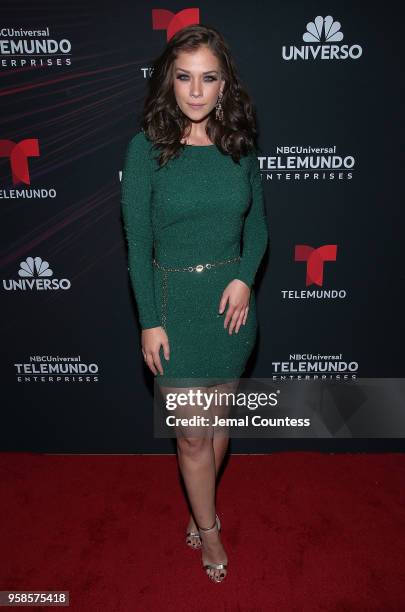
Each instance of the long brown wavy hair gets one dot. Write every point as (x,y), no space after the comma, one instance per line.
(165,124)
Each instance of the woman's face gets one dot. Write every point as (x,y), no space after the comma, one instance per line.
(197,81)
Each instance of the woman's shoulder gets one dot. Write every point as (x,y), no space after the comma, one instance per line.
(139,149)
(139,141)
(249,161)
(252,160)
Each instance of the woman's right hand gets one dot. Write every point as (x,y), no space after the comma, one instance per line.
(152,339)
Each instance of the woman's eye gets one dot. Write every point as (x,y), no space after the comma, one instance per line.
(209,78)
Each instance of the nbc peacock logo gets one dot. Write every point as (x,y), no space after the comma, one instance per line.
(34,267)
(36,275)
(322,35)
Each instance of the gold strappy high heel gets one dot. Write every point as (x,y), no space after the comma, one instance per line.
(214,566)
(194,535)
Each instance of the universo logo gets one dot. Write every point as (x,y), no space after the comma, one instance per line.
(35,274)
(326,31)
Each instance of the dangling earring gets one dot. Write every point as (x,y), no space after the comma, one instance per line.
(219,113)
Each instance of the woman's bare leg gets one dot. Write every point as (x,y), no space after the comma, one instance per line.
(211,543)
(212,549)
(197,464)
(196,459)
(220,442)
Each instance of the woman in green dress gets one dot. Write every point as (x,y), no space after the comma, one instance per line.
(196,228)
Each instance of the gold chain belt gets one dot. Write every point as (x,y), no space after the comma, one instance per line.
(197,268)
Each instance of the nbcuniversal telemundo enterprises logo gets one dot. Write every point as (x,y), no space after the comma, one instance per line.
(36,275)
(23,47)
(322,36)
(307,163)
(310,366)
(56,369)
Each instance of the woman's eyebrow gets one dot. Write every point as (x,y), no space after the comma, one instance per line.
(207,71)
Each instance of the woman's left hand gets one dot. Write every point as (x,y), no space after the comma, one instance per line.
(238,294)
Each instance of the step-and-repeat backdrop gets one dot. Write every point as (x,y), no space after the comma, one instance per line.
(327,85)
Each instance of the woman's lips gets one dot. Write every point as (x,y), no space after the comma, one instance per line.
(196,105)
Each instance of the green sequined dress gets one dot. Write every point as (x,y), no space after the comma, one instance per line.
(200,207)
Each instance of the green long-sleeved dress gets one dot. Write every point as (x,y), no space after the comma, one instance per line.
(194,210)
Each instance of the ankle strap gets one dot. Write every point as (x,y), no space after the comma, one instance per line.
(209,528)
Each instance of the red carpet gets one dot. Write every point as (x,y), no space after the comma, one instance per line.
(303,531)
